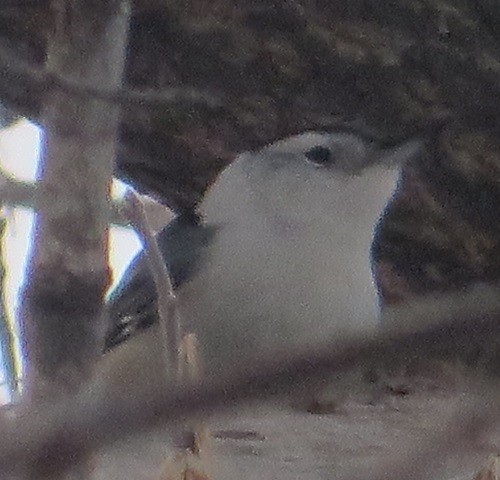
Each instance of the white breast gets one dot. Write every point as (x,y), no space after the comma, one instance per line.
(286,270)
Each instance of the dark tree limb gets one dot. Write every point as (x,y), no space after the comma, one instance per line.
(37,78)
(109,408)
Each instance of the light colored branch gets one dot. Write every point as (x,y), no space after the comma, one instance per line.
(182,362)
(17,193)
(168,311)
(63,304)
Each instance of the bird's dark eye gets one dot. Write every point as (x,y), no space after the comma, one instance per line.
(321,156)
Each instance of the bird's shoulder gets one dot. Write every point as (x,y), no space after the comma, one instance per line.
(132,305)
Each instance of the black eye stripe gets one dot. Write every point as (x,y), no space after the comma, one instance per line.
(320,155)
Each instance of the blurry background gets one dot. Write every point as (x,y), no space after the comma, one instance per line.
(19,153)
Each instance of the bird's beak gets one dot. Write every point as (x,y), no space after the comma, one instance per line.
(400,154)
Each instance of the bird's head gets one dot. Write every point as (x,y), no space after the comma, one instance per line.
(325,177)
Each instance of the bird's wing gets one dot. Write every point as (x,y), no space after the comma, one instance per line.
(132,306)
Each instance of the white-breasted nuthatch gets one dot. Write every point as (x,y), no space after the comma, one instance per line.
(278,255)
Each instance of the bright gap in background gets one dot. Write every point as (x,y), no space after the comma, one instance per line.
(19,151)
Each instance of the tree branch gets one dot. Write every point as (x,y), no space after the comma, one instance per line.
(44,80)
(15,193)
(168,311)
(63,302)
(109,408)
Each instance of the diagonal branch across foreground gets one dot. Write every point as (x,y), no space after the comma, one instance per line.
(87,420)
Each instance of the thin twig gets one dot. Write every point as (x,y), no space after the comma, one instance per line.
(16,193)
(13,67)
(168,312)
(181,356)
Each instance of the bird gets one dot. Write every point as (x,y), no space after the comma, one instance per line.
(277,254)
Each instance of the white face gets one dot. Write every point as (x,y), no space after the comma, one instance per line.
(295,241)
(280,184)
(349,153)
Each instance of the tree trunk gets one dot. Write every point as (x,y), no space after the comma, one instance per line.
(68,276)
